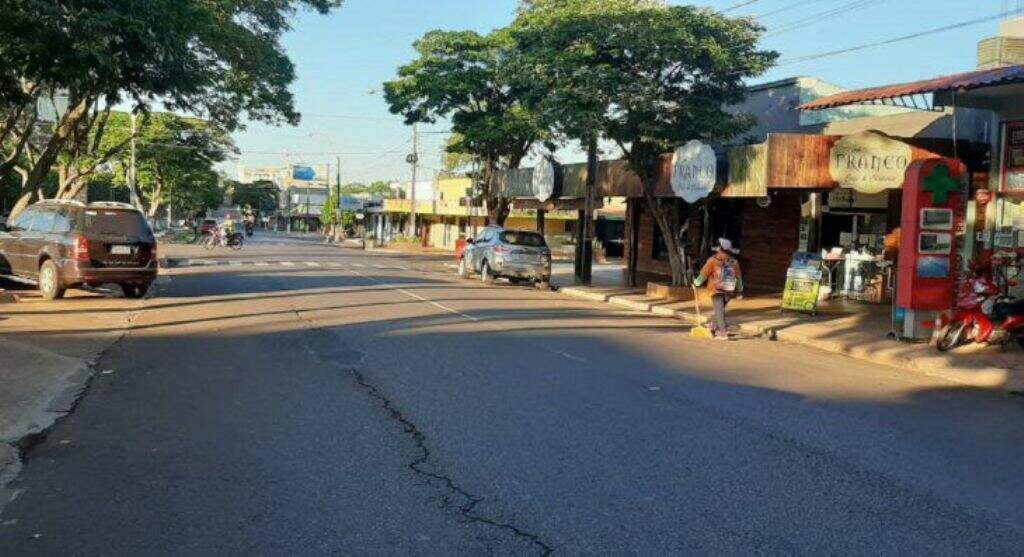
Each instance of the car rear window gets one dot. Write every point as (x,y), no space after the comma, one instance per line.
(531,239)
(117,223)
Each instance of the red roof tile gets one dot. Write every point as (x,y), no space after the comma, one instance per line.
(960,81)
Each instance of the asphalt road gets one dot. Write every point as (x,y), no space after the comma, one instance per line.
(301,399)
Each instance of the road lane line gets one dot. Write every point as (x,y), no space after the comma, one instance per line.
(287,263)
(312,264)
(262,264)
(359,265)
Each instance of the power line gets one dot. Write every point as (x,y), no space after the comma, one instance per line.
(821,16)
(788,7)
(937,30)
(738,6)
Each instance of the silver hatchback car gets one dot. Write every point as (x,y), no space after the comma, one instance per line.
(514,254)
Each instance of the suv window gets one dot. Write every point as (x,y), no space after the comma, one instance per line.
(516,238)
(115,222)
(43,221)
(24,220)
(64,221)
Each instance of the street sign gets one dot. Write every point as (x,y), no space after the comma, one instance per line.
(694,171)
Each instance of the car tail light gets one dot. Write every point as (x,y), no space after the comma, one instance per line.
(80,251)
(502,250)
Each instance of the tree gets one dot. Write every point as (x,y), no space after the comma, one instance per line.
(175,154)
(219,59)
(645,76)
(379,188)
(259,197)
(467,78)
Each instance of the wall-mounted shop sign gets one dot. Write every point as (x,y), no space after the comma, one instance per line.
(694,171)
(869,162)
(545,179)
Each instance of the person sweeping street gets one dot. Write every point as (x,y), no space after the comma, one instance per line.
(723,280)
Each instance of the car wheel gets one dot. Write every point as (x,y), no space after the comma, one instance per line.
(49,281)
(135,291)
(485,273)
(463,268)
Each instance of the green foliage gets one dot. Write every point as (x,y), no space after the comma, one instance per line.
(260,197)
(470,79)
(379,188)
(329,214)
(175,159)
(214,57)
(646,76)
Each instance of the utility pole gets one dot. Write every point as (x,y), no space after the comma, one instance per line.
(414,160)
(585,250)
(337,197)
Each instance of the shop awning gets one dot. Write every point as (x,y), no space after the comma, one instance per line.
(910,95)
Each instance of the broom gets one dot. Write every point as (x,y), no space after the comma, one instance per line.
(699,330)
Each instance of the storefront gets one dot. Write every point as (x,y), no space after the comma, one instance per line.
(995,207)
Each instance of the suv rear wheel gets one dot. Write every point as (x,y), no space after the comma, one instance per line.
(134,291)
(49,281)
(485,273)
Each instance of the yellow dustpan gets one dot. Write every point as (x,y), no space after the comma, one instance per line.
(699,330)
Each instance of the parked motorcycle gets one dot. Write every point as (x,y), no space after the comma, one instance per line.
(983,315)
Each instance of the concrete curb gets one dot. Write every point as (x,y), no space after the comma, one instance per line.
(993,377)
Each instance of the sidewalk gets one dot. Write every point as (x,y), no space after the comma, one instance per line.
(47,350)
(854,329)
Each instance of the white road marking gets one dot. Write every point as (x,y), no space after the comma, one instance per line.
(359,265)
(235,263)
(287,263)
(312,264)
(210,262)
(379,267)
(262,264)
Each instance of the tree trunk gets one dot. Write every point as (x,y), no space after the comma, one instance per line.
(48,157)
(675,259)
(19,206)
(498,211)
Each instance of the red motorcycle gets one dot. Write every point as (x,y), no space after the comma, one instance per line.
(983,314)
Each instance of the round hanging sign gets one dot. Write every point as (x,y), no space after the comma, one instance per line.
(543,183)
(694,171)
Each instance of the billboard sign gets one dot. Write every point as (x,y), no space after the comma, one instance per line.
(303,173)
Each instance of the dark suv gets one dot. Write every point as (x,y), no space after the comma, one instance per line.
(65,244)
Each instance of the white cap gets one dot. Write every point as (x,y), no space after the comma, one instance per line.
(725,245)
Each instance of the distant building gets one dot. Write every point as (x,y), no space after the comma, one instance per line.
(303,191)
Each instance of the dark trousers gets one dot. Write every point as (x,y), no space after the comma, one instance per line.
(719,324)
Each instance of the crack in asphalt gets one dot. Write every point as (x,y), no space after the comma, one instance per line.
(467,509)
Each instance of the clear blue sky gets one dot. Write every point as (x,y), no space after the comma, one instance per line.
(341,58)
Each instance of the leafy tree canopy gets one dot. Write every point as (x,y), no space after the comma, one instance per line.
(646,76)
(468,78)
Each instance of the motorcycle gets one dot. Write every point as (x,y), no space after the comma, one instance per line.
(983,314)
(233,240)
